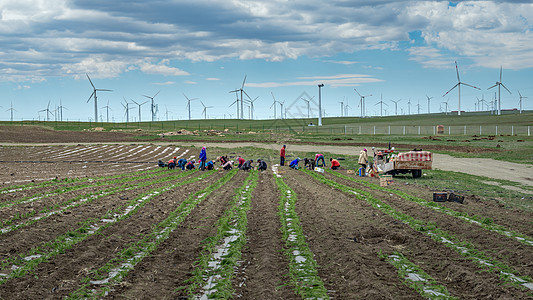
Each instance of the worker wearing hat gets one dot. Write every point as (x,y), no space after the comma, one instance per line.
(363,158)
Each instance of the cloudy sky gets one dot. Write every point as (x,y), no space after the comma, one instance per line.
(391,49)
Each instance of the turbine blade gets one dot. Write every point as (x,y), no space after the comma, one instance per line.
(500,73)
(104,90)
(91,96)
(234,91)
(243,82)
(457,70)
(156,93)
(492,86)
(90,80)
(357,93)
(447,91)
(506,88)
(470,85)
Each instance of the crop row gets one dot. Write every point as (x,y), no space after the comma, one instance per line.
(20,264)
(482,260)
(99,283)
(8,225)
(215,267)
(302,265)
(473,219)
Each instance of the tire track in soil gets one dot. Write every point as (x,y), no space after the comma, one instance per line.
(264,268)
(512,218)
(167,268)
(63,273)
(23,239)
(507,250)
(330,217)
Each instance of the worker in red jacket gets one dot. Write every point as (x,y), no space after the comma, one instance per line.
(282,156)
(334,164)
(241,161)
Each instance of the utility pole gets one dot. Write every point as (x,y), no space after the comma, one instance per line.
(320,104)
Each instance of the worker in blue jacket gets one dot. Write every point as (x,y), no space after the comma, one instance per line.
(203,158)
(294,163)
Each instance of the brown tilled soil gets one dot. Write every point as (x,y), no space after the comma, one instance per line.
(345,234)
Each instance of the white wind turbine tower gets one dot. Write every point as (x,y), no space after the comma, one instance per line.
(189,104)
(236,103)
(409,106)
(48,112)
(381,102)
(107,108)
(521,97)
(342,108)
(308,107)
(362,103)
(242,98)
(429,98)
(205,109)
(60,110)
(458,85)
(166,111)
(153,107)
(274,105)
(446,110)
(11,109)
(395,105)
(499,83)
(141,104)
(252,107)
(95,99)
(126,110)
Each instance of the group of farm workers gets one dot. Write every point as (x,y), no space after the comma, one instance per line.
(311,164)
(203,163)
(244,164)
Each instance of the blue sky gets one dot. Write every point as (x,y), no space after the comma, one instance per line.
(204,49)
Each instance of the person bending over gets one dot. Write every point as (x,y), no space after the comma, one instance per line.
(334,164)
(261,165)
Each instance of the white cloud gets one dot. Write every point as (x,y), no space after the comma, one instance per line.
(212,79)
(161,68)
(334,80)
(190,82)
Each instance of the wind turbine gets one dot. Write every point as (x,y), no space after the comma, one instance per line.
(521,97)
(446,111)
(189,104)
(126,110)
(11,109)
(409,106)
(342,108)
(274,104)
(499,83)
(381,102)
(283,112)
(242,98)
(166,112)
(429,98)
(396,106)
(308,108)
(141,104)
(107,108)
(95,99)
(205,109)
(60,109)
(418,106)
(458,85)
(48,112)
(252,107)
(153,107)
(362,103)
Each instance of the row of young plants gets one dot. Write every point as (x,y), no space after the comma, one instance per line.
(62,190)
(215,268)
(485,223)
(99,282)
(414,277)
(65,181)
(36,216)
(506,273)
(302,265)
(20,264)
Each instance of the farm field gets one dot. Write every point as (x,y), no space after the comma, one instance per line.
(103,221)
